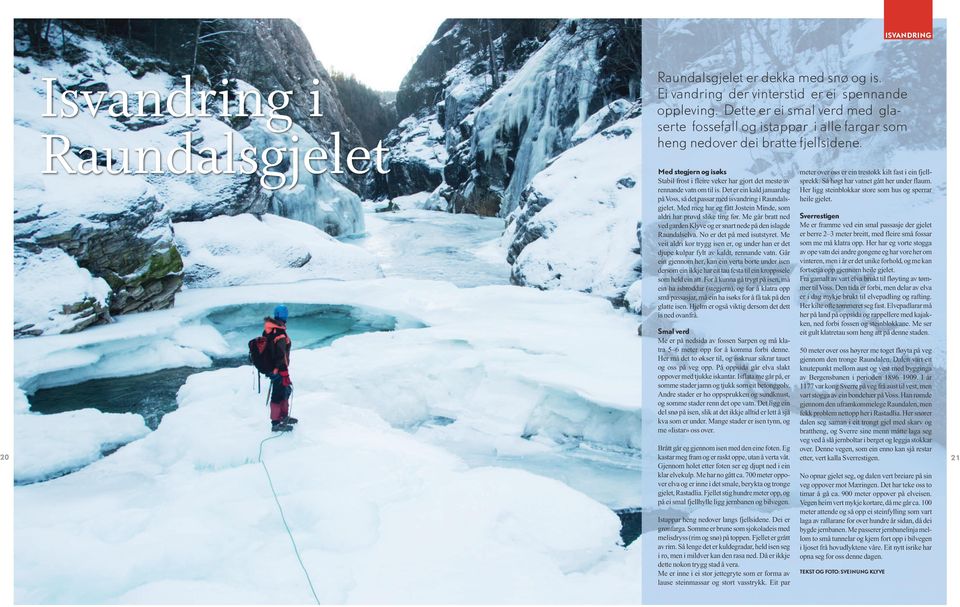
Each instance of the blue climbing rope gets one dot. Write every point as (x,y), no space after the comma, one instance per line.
(293,542)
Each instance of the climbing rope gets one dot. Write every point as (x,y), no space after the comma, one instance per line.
(293,542)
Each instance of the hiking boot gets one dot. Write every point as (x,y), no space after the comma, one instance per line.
(279,426)
(289,420)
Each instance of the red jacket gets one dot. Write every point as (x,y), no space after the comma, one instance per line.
(276,332)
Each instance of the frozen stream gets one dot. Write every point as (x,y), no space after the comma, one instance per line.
(438,246)
(455,444)
(154,394)
(458,249)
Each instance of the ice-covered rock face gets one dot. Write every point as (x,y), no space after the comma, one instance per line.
(451,77)
(318,200)
(509,96)
(528,121)
(416,158)
(576,226)
(531,138)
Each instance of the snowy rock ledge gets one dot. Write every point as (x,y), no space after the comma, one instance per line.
(55,295)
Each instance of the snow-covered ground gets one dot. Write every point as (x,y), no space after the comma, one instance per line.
(361,495)
(186,515)
(469,444)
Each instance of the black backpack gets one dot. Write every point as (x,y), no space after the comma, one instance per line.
(261,354)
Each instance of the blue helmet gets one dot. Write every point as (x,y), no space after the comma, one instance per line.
(281,313)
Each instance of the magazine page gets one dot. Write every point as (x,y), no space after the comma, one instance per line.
(794,209)
(479,304)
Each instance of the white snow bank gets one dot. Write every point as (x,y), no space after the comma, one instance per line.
(412,201)
(51,445)
(634,297)
(242,249)
(53,294)
(454,247)
(491,385)
(600,119)
(380,514)
(20,402)
(121,352)
(378,517)
(63,200)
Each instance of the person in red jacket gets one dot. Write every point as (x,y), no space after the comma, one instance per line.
(275,330)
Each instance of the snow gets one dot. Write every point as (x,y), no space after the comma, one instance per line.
(634,297)
(143,343)
(52,205)
(62,200)
(20,402)
(409,477)
(435,201)
(417,200)
(545,331)
(47,446)
(243,249)
(412,201)
(78,194)
(535,380)
(462,93)
(508,503)
(421,141)
(607,114)
(378,516)
(48,283)
(590,221)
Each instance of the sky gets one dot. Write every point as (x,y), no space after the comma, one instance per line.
(376,51)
